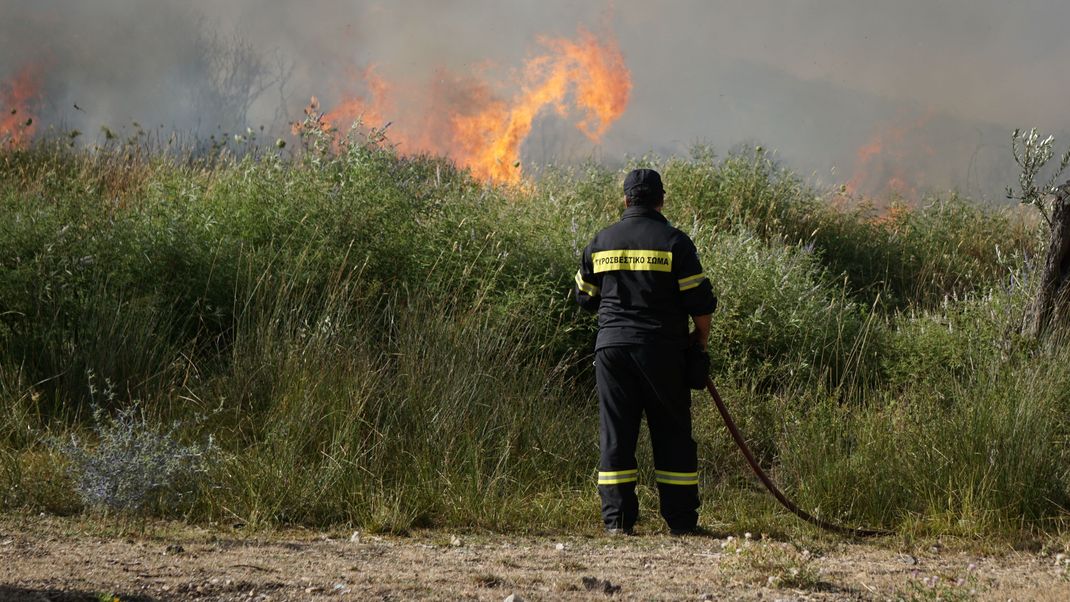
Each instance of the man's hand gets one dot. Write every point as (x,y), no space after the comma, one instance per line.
(701,333)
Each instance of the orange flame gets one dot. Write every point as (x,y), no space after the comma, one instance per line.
(371,110)
(891,161)
(17,100)
(467,121)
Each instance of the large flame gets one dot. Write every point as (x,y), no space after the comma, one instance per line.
(372,110)
(18,98)
(469,120)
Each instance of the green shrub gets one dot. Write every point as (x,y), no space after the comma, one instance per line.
(902,256)
(957,342)
(780,315)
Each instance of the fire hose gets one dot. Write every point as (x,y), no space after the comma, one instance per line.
(771,486)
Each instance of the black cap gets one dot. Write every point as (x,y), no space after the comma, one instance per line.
(643,184)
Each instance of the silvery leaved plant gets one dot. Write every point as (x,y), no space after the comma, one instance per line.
(133,462)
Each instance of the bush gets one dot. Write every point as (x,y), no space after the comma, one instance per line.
(903,256)
(957,342)
(781,316)
(133,466)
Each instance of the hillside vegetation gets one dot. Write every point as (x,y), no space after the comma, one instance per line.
(352,337)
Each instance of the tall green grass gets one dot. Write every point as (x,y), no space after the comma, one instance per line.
(380,341)
(425,410)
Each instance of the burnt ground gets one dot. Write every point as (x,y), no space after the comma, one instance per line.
(44,558)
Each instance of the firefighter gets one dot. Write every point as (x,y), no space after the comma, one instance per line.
(644,279)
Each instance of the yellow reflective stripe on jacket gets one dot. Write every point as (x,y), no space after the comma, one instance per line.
(676,478)
(691,281)
(585,286)
(616,477)
(632,259)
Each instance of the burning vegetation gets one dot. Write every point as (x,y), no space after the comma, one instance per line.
(891,163)
(18,97)
(481,124)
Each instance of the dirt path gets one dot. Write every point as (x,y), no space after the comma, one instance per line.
(57,559)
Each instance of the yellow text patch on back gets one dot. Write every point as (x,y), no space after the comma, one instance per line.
(632,259)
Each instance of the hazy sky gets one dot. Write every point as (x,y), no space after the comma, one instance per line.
(815,79)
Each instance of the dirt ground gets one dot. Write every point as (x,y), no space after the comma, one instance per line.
(43,558)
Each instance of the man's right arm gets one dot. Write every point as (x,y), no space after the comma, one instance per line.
(588,285)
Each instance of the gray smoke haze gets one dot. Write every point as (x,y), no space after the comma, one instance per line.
(938,83)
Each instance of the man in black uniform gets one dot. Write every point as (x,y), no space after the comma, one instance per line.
(644,279)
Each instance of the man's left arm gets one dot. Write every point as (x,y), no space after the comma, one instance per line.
(701,334)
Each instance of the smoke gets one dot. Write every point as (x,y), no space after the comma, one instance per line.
(916,90)
(106,64)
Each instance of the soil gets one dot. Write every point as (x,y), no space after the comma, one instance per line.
(46,558)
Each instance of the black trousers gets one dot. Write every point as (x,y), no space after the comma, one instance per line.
(633,380)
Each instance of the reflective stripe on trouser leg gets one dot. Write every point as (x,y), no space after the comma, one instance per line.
(666,477)
(668,412)
(620,414)
(617,477)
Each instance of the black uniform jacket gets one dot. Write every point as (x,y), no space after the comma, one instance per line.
(644,279)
